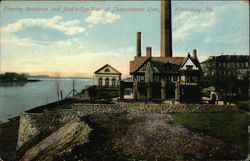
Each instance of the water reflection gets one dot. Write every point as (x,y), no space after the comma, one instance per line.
(12,84)
(16,97)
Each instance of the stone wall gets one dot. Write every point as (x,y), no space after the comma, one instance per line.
(73,133)
(33,124)
(148,108)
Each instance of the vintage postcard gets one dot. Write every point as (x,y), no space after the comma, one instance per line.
(124,80)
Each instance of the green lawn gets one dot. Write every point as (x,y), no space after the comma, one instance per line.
(244,105)
(230,127)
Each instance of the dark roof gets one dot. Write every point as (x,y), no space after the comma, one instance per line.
(164,64)
(227,58)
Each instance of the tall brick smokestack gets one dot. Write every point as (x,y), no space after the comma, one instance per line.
(166,29)
(148,51)
(138,44)
(195,53)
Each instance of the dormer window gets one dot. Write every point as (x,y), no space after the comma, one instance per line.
(107,70)
(189,67)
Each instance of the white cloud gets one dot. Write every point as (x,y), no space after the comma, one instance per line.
(230,39)
(102,17)
(56,22)
(12,39)
(90,26)
(208,40)
(193,23)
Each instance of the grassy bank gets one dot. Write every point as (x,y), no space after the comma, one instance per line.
(230,127)
(244,105)
(8,139)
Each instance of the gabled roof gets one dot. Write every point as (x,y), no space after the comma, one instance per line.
(138,61)
(107,65)
(194,60)
(160,62)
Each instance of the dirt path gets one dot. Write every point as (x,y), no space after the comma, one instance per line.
(147,137)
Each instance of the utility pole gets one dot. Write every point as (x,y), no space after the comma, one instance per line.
(0,61)
(73,87)
(73,91)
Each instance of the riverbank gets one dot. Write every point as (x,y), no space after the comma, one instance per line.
(112,131)
(8,139)
(21,81)
(209,123)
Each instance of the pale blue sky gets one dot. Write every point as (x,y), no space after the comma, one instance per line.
(77,42)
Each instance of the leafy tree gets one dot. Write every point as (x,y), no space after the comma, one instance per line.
(226,82)
(13,77)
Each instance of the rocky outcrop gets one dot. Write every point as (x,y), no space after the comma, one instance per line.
(28,128)
(64,139)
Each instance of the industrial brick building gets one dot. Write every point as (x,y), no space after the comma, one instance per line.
(227,65)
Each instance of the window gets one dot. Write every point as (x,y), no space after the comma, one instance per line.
(246,64)
(156,78)
(174,78)
(143,68)
(100,81)
(113,82)
(164,78)
(107,82)
(189,67)
(167,66)
(107,70)
(155,69)
(140,78)
(194,79)
(168,78)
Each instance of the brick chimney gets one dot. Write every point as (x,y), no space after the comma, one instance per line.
(195,53)
(149,51)
(166,29)
(138,44)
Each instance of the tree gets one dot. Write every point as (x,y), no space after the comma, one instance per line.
(225,81)
(57,84)
(13,77)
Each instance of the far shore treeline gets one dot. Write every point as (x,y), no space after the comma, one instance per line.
(23,77)
(15,77)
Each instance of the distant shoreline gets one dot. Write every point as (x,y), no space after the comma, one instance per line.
(40,79)
(51,77)
(24,81)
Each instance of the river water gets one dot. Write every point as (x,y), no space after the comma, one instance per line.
(18,97)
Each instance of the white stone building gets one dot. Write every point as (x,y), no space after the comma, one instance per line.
(107,76)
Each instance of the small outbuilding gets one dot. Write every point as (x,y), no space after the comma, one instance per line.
(107,76)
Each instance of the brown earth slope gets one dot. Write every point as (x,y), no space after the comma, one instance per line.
(148,137)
